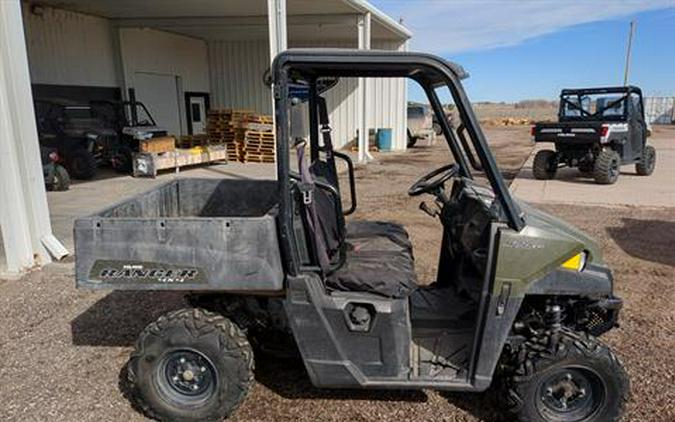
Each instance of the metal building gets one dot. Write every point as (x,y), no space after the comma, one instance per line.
(178,57)
(660,110)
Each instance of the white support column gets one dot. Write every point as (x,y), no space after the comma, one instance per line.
(364,44)
(276,20)
(24,216)
(276,15)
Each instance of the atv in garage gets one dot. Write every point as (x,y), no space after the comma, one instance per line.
(518,302)
(598,131)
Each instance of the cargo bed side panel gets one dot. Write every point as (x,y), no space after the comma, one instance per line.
(218,253)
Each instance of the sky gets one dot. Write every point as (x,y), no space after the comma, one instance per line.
(526,49)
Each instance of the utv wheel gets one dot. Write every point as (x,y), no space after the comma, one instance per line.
(412,140)
(81,164)
(61,179)
(191,365)
(545,164)
(574,378)
(607,167)
(648,161)
(122,162)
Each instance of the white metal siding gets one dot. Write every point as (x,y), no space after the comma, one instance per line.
(388,100)
(660,110)
(237,69)
(67,48)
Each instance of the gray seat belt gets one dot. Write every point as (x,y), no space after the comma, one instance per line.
(307,187)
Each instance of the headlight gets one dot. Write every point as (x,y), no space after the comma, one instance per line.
(576,263)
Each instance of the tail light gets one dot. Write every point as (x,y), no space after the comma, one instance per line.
(54,156)
(533,130)
(604,130)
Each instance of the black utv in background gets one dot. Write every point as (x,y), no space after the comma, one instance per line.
(598,131)
(83,139)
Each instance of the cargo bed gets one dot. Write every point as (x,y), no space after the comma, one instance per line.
(568,132)
(187,234)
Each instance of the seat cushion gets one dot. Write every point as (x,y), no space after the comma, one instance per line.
(379,261)
(378,235)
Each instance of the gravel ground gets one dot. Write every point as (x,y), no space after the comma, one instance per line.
(64,351)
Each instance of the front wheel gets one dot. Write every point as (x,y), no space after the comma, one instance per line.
(647,162)
(412,140)
(191,365)
(61,179)
(568,377)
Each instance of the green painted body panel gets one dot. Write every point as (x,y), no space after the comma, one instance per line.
(538,249)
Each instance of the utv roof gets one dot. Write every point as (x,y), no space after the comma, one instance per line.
(365,63)
(605,90)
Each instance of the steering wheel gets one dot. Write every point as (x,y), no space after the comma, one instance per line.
(431,182)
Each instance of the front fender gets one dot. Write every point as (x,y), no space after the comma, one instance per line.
(594,281)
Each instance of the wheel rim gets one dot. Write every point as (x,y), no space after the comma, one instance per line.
(614,169)
(186,377)
(650,161)
(570,394)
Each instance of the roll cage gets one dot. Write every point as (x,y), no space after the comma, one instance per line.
(624,91)
(429,71)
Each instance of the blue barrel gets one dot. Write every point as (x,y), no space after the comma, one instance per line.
(384,139)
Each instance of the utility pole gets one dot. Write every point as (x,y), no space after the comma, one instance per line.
(626,71)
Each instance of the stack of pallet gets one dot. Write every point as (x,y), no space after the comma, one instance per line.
(258,147)
(248,137)
(224,128)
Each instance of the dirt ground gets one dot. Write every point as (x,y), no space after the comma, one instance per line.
(64,350)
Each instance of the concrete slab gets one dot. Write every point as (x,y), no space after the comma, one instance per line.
(657,190)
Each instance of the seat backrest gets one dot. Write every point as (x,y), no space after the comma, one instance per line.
(329,209)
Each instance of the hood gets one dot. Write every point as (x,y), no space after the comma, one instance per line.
(545,221)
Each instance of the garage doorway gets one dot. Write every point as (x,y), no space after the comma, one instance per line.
(159,93)
(197,106)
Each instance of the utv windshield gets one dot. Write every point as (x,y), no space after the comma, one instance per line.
(582,106)
(135,114)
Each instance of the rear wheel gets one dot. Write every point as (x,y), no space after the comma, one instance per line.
(191,365)
(81,164)
(607,167)
(567,377)
(648,161)
(545,164)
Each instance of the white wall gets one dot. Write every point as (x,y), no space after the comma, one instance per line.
(237,69)
(67,48)
(388,101)
(163,53)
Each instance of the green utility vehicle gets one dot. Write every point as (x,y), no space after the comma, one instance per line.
(517,303)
